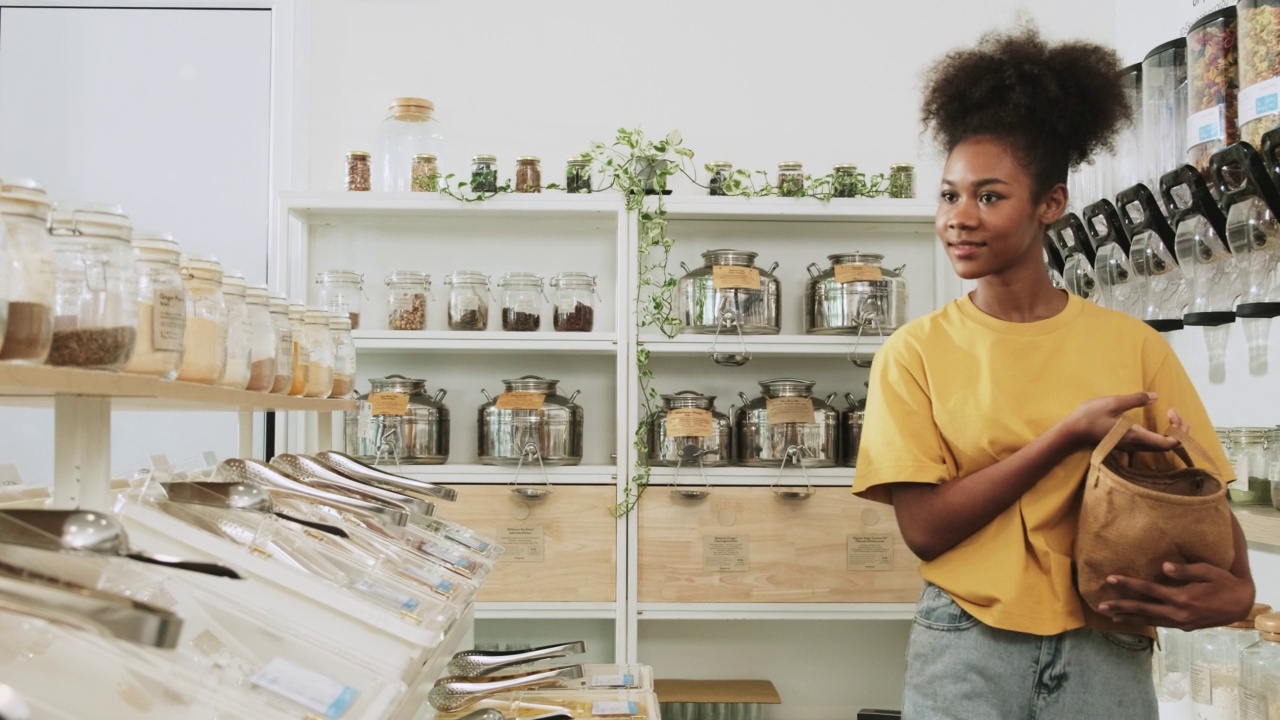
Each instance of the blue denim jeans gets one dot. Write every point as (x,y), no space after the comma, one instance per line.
(960,669)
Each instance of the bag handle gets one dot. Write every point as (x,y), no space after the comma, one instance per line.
(1187,442)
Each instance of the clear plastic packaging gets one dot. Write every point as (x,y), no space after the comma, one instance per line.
(204,338)
(263,343)
(239,333)
(24,207)
(162,307)
(321,353)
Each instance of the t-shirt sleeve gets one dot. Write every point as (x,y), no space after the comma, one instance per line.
(1175,391)
(900,439)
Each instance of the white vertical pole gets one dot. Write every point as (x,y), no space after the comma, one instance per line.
(82,452)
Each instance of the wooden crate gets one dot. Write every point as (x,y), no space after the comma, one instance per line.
(745,544)
(562,548)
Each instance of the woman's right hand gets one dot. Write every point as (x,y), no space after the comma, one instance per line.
(1091,422)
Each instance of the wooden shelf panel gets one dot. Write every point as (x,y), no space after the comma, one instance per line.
(776,611)
(690,477)
(547,343)
(1260,524)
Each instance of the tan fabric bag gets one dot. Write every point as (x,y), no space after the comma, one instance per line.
(1132,521)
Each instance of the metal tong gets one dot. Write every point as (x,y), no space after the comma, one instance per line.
(278,481)
(477,663)
(360,472)
(317,474)
(451,694)
(237,496)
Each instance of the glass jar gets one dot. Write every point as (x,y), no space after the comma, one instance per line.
(96,308)
(575,294)
(1260,671)
(902,180)
(1259,43)
(162,307)
(341,292)
(319,341)
(407,300)
(791,179)
(522,300)
(528,174)
(301,349)
(239,333)
(344,356)
(577,176)
(719,176)
(1164,111)
(279,306)
(484,174)
(204,338)
(1212,78)
(358,171)
(410,129)
(468,300)
(24,207)
(263,343)
(844,181)
(1171,671)
(1248,456)
(1215,666)
(426,173)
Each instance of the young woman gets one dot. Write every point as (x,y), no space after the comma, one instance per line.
(981,416)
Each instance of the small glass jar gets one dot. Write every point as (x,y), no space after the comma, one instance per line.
(1215,665)
(844,181)
(96,310)
(341,292)
(410,129)
(1171,671)
(204,338)
(426,174)
(575,293)
(522,301)
(263,343)
(407,300)
(468,300)
(24,208)
(301,349)
(791,179)
(319,342)
(484,174)
(577,176)
(162,307)
(279,306)
(528,174)
(719,176)
(359,172)
(902,180)
(1260,671)
(1248,456)
(239,333)
(344,356)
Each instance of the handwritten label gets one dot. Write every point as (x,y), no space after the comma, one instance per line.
(389,403)
(726,553)
(522,543)
(858,273)
(869,552)
(312,690)
(735,277)
(520,401)
(1253,705)
(1201,686)
(168,320)
(690,422)
(789,410)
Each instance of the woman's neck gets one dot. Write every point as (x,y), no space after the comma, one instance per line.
(1019,295)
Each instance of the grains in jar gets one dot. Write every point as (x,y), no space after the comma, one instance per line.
(358,171)
(902,181)
(1212,81)
(528,174)
(407,300)
(426,175)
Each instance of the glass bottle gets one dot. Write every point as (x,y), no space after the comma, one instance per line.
(410,129)
(468,300)
(263,343)
(301,349)
(162,307)
(528,174)
(1171,671)
(575,294)
(341,292)
(902,180)
(1215,666)
(344,356)
(719,176)
(791,179)
(279,306)
(1249,460)
(522,300)
(319,342)
(204,338)
(96,307)
(24,208)
(1260,672)
(239,333)
(484,174)
(577,176)
(844,181)
(358,171)
(407,300)
(426,173)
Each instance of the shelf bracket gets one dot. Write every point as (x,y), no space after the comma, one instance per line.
(82,452)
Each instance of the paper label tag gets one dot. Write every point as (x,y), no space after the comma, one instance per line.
(1206,126)
(464,536)
(1201,686)
(726,553)
(389,403)
(872,553)
(432,578)
(735,277)
(1253,705)
(690,422)
(615,707)
(387,595)
(1241,468)
(466,303)
(401,302)
(1259,99)
(520,401)
(789,410)
(310,689)
(168,320)
(9,475)
(522,543)
(284,348)
(443,550)
(612,681)
(858,273)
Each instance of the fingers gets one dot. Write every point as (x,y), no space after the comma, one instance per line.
(1153,590)
(1140,438)
(1123,403)
(1175,420)
(1195,572)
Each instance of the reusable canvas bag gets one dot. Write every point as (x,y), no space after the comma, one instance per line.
(1132,521)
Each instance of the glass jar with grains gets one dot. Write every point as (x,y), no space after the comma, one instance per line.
(24,208)
(96,308)
(358,171)
(1248,456)
(407,300)
(162,307)
(575,294)
(341,292)
(279,306)
(301,349)
(236,373)
(468,300)
(263,343)
(528,174)
(204,339)
(902,180)
(1215,665)
(522,301)
(320,346)
(344,356)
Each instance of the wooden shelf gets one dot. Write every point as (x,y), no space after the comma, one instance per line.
(765,345)
(445,341)
(776,611)
(860,210)
(352,205)
(1260,524)
(690,477)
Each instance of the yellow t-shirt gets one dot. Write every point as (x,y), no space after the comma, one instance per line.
(958,390)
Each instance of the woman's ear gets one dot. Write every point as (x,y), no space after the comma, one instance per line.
(1053,204)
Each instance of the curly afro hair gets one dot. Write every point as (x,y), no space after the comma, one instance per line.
(1056,105)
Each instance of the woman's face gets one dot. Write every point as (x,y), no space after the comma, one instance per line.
(988,218)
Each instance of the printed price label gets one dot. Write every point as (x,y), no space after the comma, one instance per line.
(1206,126)
(1241,470)
(690,422)
(1259,99)
(520,401)
(735,277)
(858,273)
(168,320)
(312,690)
(872,553)
(789,410)
(726,553)
(615,707)
(522,543)
(1201,686)
(284,351)
(389,403)
(612,681)
(1253,705)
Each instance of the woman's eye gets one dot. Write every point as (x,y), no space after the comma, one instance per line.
(949,196)
(987,198)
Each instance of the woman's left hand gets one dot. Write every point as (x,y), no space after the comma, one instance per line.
(1195,596)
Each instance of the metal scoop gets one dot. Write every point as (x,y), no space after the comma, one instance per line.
(458,693)
(477,663)
(356,470)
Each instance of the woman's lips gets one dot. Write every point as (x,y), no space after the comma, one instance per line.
(964,249)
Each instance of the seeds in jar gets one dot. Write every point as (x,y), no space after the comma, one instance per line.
(409,316)
(517,321)
(92,347)
(319,380)
(581,318)
(158,350)
(29,333)
(343,384)
(469,319)
(205,351)
(358,171)
(355,320)
(262,374)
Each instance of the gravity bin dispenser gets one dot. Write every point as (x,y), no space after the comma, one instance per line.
(1153,258)
(1117,287)
(1071,240)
